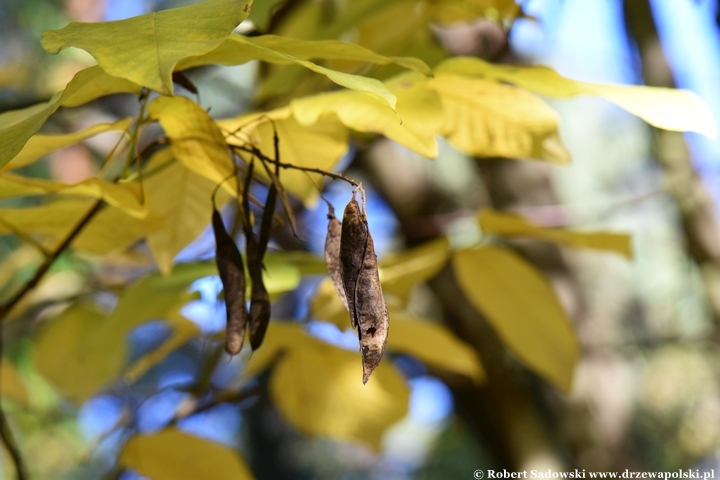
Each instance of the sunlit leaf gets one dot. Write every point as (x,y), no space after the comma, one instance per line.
(174,455)
(12,386)
(17,126)
(318,387)
(125,196)
(666,108)
(415,126)
(400,273)
(511,224)
(488,119)
(522,306)
(453,11)
(145,49)
(326,305)
(434,345)
(40,145)
(195,139)
(183,199)
(320,145)
(238,49)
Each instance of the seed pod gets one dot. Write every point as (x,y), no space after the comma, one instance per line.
(259,299)
(232,274)
(332,257)
(362,287)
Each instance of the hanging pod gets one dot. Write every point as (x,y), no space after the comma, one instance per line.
(332,257)
(361,282)
(232,274)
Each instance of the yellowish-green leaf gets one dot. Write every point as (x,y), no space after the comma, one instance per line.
(174,455)
(400,273)
(40,145)
(512,224)
(195,139)
(13,387)
(453,11)
(16,127)
(125,196)
(73,356)
(237,49)
(145,49)
(418,106)
(320,145)
(110,230)
(315,385)
(434,345)
(523,308)
(488,119)
(182,199)
(327,306)
(666,108)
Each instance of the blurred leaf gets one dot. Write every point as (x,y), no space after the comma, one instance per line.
(512,224)
(12,386)
(434,345)
(40,145)
(17,126)
(488,119)
(415,126)
(125,196)
(665,108)
(261,12)
(500,11)
(238,49)
(71,354)
(326,305)
(145,49)
(400,273)
(174,455)
(183,199)
(320,145)
(318,387)
(110,230)
(195,139)
(522,306)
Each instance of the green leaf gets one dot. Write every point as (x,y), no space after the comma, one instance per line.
(434,345)
(174,455)
(196,141)
(522,307)
(125,196)
(145,49)
(488,119)
(318,387)
(40,145)
(666,108)
(512,224)
(238,49)
(13,387)
(418,106)
(17,126)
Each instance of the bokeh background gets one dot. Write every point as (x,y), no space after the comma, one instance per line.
(646,394)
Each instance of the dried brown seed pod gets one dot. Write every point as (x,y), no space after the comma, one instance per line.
(259,298)
(232,274)
(332,256)
(362,287)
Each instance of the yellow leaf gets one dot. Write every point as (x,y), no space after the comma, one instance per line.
(71,354)
(523,308)
(145,49)
(320,145)
(434,345)
(418,106)
(327,306)
(16,127)
(666,108)
(182,199)
(400,273)
(40,145)
(12,386)
(511,224)
(237,49)
(488,119)
(125,196)
(318,387)
(501,11)
(111,229)
(174,455)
